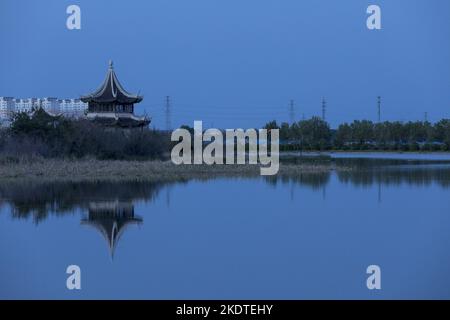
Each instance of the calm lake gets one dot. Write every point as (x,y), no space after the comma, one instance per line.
(312,236)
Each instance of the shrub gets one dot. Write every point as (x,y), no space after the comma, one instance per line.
(57,137)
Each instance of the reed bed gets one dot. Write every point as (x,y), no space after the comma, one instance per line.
(116,170)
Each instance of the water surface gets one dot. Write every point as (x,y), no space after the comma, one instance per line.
(309,236)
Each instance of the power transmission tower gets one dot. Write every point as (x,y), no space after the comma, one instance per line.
(168,114)
(291,111)
(379,108)
(324,108)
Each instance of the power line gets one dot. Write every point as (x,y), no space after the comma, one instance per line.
(168,113)
(324,108)
(291,111)
(379,108)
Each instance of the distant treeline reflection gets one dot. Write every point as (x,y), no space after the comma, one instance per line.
(386,176)
(38,200)
(59,198)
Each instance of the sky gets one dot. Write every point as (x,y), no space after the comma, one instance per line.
(235,63)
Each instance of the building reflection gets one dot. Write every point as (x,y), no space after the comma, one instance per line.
(111,219)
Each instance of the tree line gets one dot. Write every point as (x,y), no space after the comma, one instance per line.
(46,136)
(316,134)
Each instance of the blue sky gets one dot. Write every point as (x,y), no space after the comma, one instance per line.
(236,63)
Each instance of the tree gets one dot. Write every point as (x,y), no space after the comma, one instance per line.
(362,132)
(343,135)
(314,133)
(441,132)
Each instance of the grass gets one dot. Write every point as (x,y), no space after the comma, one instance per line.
(108,170)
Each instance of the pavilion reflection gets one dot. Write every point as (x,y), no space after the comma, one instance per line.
(111,219)
(107,207)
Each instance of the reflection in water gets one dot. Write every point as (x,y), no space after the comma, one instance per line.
(109,206)
(106,206)
(315,180)
(366,175)
(38,200)
(379,192)
(111,218)
(418,176)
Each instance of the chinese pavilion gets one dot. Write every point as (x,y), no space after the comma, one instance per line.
(112,106)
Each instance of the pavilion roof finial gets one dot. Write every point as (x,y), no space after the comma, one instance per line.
(111,91)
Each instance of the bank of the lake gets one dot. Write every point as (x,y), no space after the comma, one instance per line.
(90,169)
(399,155)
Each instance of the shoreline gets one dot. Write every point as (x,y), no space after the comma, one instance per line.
(368,154)
(88,169)
(151,170)
(368,151)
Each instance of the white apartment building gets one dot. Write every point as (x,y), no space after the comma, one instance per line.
(7,106)
(73,108)
(50,105)
(25,105)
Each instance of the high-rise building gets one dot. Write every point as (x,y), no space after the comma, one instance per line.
(73,108)
(7,106)
(51,105)
(25,105)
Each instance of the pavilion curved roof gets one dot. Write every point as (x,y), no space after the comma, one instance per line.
(111,91)
(111,219)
